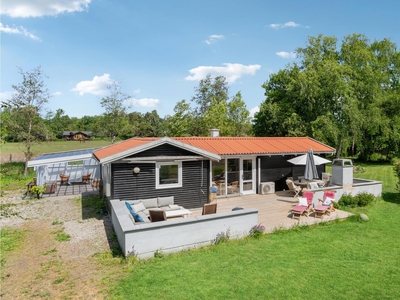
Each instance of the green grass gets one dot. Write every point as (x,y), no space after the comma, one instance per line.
(12,176)
(10,239)
(50,147)
(350,259)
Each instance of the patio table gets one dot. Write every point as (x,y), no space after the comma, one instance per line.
(178,213)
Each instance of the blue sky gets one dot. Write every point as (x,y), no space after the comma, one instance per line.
(158,50)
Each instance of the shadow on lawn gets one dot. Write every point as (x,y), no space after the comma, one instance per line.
(391,197)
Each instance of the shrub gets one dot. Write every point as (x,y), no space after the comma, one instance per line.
(222,237)
(396,168)
(347,200)
(257,231)
(364,198)
(361,199)
(375,157)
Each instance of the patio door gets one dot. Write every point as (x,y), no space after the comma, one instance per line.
(248,172)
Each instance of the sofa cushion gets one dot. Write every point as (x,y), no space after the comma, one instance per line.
(165,201)
(136,216)
(150,203)
(144,217)
(138,207)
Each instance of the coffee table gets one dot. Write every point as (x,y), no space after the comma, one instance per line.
(178,213)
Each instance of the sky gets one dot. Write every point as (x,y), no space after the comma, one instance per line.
(158,50)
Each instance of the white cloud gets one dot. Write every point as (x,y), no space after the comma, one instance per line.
(144,102)
(253,111)
(286,54)
(39,8)
(285,25)
(57,94)
(97,86)
(5,96)
(213,38)
(230,71)
(18,30)
(136,91)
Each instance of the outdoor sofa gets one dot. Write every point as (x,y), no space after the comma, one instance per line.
(141,207)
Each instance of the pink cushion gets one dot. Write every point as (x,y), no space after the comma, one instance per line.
(299,208)
(321,207)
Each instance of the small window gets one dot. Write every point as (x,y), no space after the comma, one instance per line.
(75,163)
(168,175)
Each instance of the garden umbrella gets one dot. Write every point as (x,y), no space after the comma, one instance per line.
(311,170)
(302,160)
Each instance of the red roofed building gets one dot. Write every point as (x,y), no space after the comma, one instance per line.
(186,167)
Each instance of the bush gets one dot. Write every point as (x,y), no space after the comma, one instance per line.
(397,172)
(256,231)
(361,199)
(222,237)
(375,157)
(347,200)
(364,198)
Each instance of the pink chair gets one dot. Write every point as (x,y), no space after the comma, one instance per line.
(304,207)
(325,205)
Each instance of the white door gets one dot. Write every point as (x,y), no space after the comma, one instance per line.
(248,175)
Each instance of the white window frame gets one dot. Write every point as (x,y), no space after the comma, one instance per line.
(171,185)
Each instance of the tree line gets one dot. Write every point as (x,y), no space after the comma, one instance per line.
(347,96)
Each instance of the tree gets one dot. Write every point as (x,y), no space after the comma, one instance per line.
(345,96)
(210,91)
(26,104)
(238,117)
(114,105)
(180,124)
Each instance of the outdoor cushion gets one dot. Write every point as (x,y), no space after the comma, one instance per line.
(321,207)
(165,201)
(150,202)
(328,201)
(302,201)
(136,216)
(174,206)
(144,217)
(299,208)
(138,207)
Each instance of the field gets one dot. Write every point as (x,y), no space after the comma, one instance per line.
(50,147)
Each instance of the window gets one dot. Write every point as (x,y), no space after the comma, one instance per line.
(168,175)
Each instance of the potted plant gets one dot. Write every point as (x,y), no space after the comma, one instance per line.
(38,190)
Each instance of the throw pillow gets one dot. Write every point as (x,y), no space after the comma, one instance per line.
(328,201)
(138,207)
(135,216)
(302,201)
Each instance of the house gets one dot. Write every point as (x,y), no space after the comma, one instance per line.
(77,135)
(186,167)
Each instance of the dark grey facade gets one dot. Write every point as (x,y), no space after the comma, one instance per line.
(126,185)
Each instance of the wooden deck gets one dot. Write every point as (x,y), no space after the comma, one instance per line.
(74,188)
(273,210)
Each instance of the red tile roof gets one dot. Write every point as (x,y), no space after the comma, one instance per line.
(230,145)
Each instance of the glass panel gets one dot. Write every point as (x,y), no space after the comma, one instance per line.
(169,174)
(247,186)
(233,176)
(218,176)
(248,169)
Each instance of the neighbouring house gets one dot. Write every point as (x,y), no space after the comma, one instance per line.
(186,167)
(77,135)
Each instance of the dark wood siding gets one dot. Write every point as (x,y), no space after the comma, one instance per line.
(164,150)
(129,186)
(277,169)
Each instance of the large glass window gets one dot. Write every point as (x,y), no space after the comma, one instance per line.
(168,174)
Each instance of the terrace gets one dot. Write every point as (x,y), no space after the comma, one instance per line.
(176,234)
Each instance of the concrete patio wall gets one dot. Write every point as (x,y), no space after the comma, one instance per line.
(177,234)
(358,186)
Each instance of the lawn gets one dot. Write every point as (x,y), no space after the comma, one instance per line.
(350,259)
(50,147)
